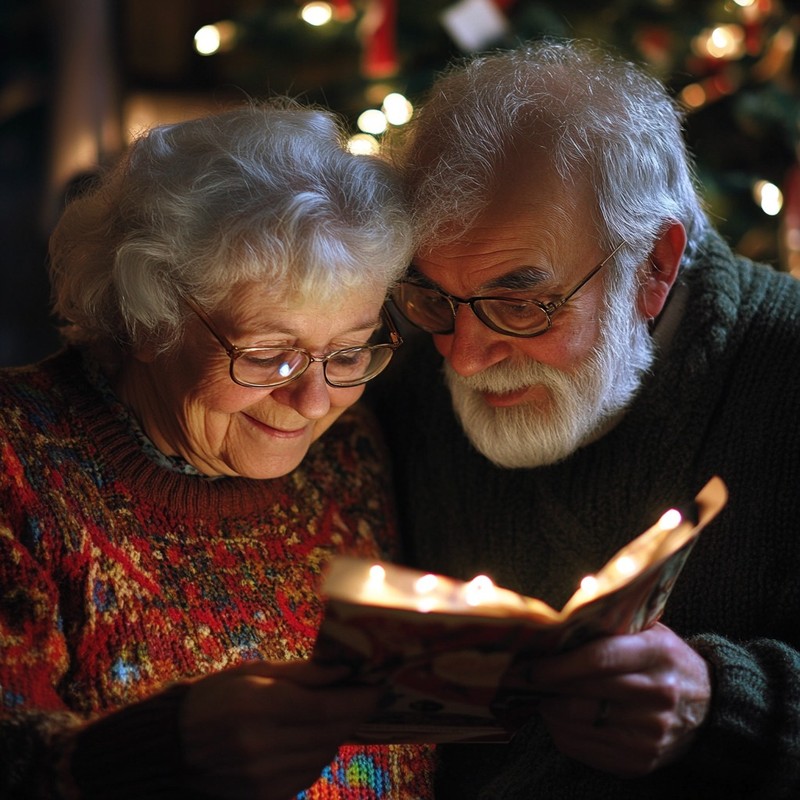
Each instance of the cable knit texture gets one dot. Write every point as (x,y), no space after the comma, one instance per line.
(120,576)
(724,400)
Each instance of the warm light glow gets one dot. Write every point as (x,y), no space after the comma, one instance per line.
(372,121)
(316,13)
(217,38)
(794,264)
(426,604)
(693,95)
(769,197)
(206,40)
(397,109)
(723,41)
(479,590)
(362,144)
(589,584)
(670,519)
(625,565)
(377,575)
(745,3)
(426,584)
(142,110)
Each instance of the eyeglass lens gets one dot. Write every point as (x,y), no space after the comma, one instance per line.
(434,312)
(274,366)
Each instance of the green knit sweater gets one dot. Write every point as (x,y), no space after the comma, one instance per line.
(725,400)
(120,575)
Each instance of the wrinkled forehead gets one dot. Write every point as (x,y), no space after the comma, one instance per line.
(527,178)
(528,202)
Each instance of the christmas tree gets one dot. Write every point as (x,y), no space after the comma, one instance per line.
(730,63)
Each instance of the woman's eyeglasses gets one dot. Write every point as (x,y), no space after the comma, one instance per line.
(268,367)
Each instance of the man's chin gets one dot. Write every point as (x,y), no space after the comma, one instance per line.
(530,432)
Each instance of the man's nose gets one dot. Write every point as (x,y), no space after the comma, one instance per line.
(472,346)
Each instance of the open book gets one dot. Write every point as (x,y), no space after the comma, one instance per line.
(453,654)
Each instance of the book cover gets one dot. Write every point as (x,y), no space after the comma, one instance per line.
(448,651)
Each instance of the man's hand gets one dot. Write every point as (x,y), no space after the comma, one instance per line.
(625,704)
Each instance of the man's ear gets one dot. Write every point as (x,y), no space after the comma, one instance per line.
(661,270)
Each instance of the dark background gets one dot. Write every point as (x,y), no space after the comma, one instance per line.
(78,76)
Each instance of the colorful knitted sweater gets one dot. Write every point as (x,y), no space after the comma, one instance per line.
(120,575)
(723,399)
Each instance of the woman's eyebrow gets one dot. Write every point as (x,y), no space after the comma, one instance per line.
(281,329)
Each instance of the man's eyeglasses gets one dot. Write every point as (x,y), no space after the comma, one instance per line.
(268,367)
(434,310)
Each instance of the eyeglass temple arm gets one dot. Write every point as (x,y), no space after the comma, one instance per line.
(394,334)
(229,348)
(551,307)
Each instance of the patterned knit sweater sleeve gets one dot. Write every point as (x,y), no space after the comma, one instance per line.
(122,578)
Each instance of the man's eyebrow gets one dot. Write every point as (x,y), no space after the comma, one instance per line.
(524,279)
(415,276)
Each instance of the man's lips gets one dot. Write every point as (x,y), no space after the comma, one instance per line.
(501,399)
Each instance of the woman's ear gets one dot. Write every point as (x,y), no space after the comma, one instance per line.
(661,269)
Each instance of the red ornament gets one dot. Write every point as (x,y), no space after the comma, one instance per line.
(379,37)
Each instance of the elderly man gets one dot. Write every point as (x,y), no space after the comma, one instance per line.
(597,352)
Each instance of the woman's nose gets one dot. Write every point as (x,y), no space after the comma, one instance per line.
(309,395)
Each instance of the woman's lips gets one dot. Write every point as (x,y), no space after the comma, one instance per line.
(278,433)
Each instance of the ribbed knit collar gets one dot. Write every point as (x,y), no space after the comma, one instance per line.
(126,456)
(98,379)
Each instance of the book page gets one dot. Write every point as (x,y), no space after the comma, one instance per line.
(452,655)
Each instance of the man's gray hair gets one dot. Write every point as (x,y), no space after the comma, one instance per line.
(597,117)
(264,192)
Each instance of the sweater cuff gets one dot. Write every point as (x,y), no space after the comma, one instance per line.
(132,753)
(728,742)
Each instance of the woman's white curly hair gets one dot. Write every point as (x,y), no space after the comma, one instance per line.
(265,192)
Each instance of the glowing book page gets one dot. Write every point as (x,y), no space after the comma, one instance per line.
(449,652)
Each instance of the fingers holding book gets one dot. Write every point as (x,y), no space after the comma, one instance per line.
(626,704)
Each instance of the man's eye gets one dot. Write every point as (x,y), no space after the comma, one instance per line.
(520,310)
(431,299)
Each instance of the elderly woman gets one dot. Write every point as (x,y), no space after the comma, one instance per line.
(166,502)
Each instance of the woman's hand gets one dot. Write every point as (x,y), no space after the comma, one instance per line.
(625,704)
(265,731)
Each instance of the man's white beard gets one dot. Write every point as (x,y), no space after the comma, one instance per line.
(527,435)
